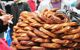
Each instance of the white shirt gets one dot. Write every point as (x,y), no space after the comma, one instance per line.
(45,4)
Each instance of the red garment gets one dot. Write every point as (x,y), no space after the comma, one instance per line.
(32,5)
(3,45)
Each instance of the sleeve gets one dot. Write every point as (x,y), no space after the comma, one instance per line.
(2,27)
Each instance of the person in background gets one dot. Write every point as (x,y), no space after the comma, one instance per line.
(16,8)
(4,21)
(8,6)
(49,4)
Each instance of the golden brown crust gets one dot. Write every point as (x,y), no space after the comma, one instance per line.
(13,48)
(63,30)
(59,41)
(28,28)
(27,43)
(74,36)
(39,33)
(63,17)
(47,32)
(50,45)
(21,24)
(37,48)
(20,31)
(25,14)
(23,38)
(31,34)
(22,47)
(35,24)
(75,31)
(40,40)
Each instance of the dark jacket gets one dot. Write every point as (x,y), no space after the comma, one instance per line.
(38,2)
(16,9)
(2,27)
(0,6)
(8,8)
(6,0)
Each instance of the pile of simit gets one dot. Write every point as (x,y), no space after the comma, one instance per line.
(48,30)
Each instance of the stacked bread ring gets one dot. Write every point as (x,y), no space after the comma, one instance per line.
(48,30)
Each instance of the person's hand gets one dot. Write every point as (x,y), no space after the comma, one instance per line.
(6,18)
(2,12)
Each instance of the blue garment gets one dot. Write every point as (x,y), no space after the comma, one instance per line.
(7,35)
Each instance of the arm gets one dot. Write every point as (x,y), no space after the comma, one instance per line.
(2,26)
(4,21)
